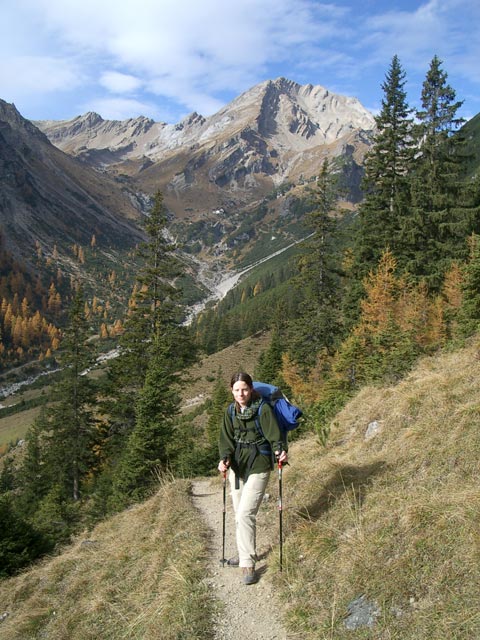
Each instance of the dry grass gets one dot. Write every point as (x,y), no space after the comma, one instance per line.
(138,575)
(241,356)
(395,517)
(15,426)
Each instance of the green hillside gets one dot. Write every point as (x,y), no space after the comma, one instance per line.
(386,516)
(471,131)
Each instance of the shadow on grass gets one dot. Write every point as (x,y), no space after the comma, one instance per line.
(345,479)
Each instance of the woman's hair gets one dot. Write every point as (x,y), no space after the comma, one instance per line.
(241,377)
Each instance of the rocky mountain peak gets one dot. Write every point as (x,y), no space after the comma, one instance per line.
(91,118)
(278,130)
(9,115)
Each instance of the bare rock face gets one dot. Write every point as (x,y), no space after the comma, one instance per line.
(292,117)
(274,132)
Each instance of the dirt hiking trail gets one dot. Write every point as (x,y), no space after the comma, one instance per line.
(249,611)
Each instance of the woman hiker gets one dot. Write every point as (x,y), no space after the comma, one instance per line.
(248,457)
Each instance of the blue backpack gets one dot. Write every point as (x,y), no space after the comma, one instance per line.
(287,414)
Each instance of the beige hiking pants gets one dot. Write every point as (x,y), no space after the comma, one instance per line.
(246,502)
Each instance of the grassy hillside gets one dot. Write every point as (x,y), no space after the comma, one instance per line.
(386,516)
(136,576)
(393,517)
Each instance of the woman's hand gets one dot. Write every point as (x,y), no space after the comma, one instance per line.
(223,466)
(281,457)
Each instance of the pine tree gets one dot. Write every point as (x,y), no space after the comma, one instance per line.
(34,477)
(154,310)
(71,436)
(270,361)
(156,349)
(149,445)
(386,180)
(319,277)
(20,543)
(221,397)
(469,312)
(444,210)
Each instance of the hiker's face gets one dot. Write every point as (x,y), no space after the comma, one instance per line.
(242,393)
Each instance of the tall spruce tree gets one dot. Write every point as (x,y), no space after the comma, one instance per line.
(72,435)
(469,313)
(149,445)
(154,310)
(221,397)
(386,180)
(270,361)
(443,211)
(156,349)
(60,446)
(318,325)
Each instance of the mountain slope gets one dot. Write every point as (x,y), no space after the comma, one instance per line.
(48,197)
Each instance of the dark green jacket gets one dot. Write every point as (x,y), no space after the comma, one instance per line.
(253,454)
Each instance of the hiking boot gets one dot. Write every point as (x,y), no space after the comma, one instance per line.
(249,576)
(233,562)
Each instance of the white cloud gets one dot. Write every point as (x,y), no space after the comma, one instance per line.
(188,55)
(116,82)
(183,48)
(22,75)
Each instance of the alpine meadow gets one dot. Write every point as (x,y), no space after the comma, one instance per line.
(293,235)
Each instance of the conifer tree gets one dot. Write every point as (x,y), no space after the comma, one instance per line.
(156,349)
(319,277)
(149,445)
(221,397)
(72,434)
(444,211)
(20,543)
(34,477)
(270,361)
(386,180)
(154,311)
(469,312)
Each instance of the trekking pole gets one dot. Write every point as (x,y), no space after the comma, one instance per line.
(223,560)
(280,510)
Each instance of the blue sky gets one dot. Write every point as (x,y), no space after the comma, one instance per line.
(166,58)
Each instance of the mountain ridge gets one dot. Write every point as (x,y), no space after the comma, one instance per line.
(276,131)
(269,95)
